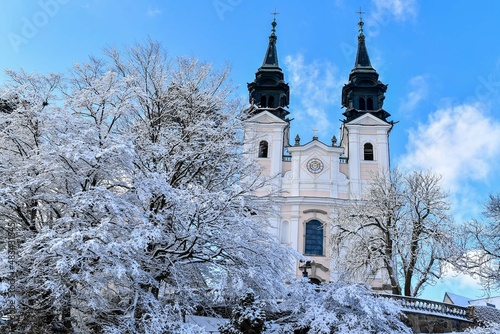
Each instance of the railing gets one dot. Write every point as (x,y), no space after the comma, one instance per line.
(416,305)
(288,158)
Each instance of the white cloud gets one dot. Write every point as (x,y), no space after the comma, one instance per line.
(418,91)
(456,282)
(401,10)
(152,12)
(462,143)
(316,87)
(386,11)
(461,284)
(462,281)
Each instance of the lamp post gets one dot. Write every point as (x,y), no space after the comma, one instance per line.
(304,267)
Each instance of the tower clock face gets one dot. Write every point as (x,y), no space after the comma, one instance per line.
(315,166)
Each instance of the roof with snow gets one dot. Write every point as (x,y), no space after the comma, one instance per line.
(456,299)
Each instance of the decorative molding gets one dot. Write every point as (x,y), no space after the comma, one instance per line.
(315,211)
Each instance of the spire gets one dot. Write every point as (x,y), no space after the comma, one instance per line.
(364,92)
(269,91)
(271,58)
(362,58)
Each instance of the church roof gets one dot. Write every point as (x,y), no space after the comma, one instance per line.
(271,57)
(362,63)
(362,58)
(264,117)
(373,118)
(364,92)
(269,91)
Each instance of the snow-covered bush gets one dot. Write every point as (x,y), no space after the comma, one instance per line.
(337,308)
(247,317)
(488,319)
(492,328)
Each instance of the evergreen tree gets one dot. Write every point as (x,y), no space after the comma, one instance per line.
(247,317)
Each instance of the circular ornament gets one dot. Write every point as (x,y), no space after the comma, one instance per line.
(315,166)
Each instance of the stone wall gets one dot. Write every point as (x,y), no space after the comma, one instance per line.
(428,323)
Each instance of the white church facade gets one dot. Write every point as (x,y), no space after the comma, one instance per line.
(312,177)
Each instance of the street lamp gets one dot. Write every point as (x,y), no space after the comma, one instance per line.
(307,265)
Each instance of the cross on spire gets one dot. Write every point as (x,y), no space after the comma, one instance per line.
(360,14)
(274,13)
(274,24)
(361,23)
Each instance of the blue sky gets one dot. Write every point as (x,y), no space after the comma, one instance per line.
(441,60)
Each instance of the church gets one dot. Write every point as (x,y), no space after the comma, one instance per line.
(312,177)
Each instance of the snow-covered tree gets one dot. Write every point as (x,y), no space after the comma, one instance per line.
(131,202)
(62,194)
(23,212)
(402,229)
(191,179)
(480,254)
(337,308)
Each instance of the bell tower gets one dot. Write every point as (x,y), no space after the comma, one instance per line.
(363,93)
(267,128)
(269,91)
(365,129)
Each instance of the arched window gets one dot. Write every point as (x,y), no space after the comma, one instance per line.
(369,103)
(283,102)
(270,102)
(285,232)
(368,151)
(263,149)
(263,102)
(362,105)
(314,238)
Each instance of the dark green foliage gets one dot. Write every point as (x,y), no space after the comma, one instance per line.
(247,317)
